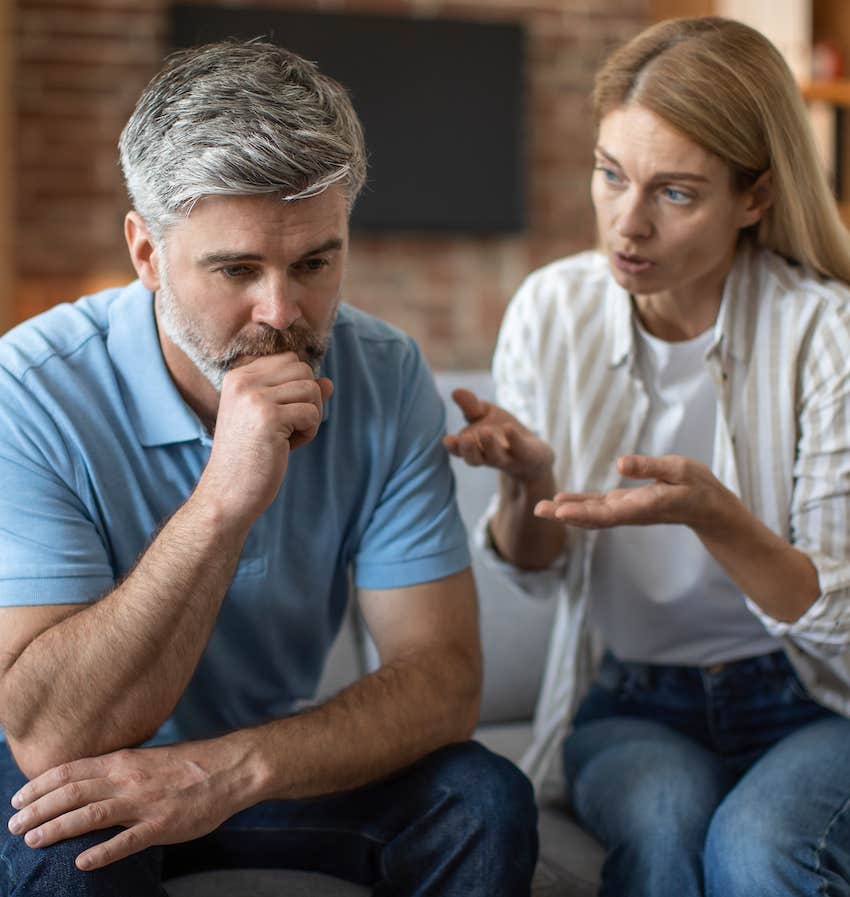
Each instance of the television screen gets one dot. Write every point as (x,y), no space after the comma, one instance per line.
(440,101)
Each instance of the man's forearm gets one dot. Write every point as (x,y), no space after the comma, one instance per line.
(521,538)
(375,727)
(108,676)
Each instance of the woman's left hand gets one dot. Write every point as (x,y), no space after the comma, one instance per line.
(682,491)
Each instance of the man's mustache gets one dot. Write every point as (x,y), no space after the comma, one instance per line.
(306,343)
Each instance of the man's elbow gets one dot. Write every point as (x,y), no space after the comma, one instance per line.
(34,758)
(467,710)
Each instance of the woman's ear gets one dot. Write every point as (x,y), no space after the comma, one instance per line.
(143,251)
(758,199)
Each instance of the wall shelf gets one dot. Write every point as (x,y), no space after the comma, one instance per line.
(835,92)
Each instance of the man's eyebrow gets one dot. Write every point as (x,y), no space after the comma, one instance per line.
(218,258)
(330,245)
(661,175)
(223,257)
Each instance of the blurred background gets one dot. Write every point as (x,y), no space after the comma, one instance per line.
(71,71)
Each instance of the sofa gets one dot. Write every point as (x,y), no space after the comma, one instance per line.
(515,631)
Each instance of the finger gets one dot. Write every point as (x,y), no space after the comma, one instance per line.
(62,800)
(495,448)
(471,406)
(667,468)
(561,497)
(90,818)
(132,840)
(269,370)
(295,391)
(469,449)
(51,779)
(301,421)
(588,513)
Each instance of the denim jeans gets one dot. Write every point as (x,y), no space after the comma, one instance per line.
(460,823)
(725,781)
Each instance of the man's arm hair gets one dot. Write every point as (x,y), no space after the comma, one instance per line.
(426,694)
(81,681)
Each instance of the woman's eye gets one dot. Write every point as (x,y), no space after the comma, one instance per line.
(609,174)
(676,196)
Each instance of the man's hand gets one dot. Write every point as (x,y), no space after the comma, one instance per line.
(162,795)
(684,491)
(497,439)
(269,406)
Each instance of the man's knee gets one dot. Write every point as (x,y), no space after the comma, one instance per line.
(50,871)
(484,785)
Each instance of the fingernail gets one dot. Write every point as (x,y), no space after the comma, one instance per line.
(16,800)
(33,838)
(14,825)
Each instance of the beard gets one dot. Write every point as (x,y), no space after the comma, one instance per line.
(214,361)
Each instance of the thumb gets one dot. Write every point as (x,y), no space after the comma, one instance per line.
(471,406)
(326,386)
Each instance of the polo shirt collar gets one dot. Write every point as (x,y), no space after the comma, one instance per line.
(156,408)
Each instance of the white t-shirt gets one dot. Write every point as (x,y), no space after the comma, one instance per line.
(657,595)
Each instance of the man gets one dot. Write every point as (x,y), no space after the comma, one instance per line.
(190,467)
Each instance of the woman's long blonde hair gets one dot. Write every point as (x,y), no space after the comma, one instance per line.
(727,88)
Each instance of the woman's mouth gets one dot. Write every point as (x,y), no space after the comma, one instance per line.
(632,264)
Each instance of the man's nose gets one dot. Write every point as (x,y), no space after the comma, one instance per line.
(276,306)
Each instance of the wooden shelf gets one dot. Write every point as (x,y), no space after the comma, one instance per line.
(835,92)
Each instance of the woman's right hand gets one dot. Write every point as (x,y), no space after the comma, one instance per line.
(495,438)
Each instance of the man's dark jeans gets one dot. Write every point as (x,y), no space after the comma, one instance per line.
(460,823)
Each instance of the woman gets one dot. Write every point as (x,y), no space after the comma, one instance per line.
(673,437)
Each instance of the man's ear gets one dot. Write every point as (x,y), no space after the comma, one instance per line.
(143,252)
(758,199)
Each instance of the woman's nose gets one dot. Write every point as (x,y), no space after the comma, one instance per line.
(633,218)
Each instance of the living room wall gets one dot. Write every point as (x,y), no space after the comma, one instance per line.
(79,66)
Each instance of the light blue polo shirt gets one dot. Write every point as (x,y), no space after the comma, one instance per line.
(97,449)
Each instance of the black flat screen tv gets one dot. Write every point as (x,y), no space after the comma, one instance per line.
(440,101)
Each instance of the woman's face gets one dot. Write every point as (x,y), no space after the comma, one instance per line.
(667,214)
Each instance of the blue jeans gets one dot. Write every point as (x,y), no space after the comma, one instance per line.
(459,823)
(724,781)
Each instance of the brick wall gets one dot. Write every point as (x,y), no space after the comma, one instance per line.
(80,64)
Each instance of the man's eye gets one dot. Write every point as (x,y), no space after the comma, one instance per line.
(234,271)
(313,265)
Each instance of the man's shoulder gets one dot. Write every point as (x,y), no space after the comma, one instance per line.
(361,340)
(59,334)
(354,323)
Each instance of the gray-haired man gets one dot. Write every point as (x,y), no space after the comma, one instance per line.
(190,467)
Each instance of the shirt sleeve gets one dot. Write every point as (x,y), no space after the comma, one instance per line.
(517,375)
(415,533)
(50,550)
(820,512)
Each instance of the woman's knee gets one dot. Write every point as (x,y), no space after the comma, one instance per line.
(640,783)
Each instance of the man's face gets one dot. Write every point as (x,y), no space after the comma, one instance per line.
(248,276)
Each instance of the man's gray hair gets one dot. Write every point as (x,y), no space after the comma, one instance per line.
(238,118)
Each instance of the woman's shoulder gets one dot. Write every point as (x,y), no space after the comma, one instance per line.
(785,280)
(572,280)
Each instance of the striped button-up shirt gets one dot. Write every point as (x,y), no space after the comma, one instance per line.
(780,360)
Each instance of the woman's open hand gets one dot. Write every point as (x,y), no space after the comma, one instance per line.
(495,438)
(682,491)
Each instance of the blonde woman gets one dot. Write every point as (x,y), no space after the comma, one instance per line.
(673,436)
